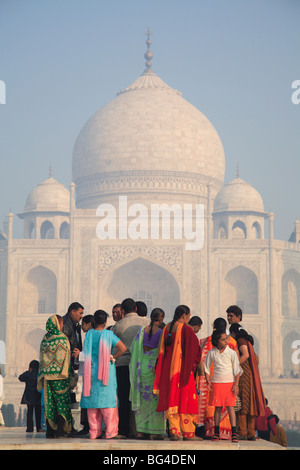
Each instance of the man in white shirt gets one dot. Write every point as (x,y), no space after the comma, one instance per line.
(126,329)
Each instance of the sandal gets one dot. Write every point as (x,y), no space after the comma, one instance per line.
(216,437)
(234,437)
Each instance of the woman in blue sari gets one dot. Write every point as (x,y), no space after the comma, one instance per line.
(99,393)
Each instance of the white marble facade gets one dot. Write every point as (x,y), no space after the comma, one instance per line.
(152,146)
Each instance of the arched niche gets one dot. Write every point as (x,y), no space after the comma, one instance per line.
(222,232)
(239,230)
(241,288)
(256,230)
(39,291)
(291,355)
(145,279)
(290,293)
(64,231)
(47,230)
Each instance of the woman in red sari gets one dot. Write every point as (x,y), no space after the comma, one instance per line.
(178,357)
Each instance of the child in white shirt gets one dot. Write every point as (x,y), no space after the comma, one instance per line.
(223,386)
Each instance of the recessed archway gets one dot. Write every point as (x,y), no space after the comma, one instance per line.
(241,288)
(39,291)
(141,277)
(290,288)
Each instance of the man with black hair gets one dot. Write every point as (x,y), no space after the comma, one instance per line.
(72,330)
(234,314)
(141,308)
(195,323)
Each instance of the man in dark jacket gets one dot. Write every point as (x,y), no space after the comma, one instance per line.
(31,396)
(72,330)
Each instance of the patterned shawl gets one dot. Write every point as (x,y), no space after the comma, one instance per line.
(54,353)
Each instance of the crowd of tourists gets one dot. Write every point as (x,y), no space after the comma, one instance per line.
(144,379)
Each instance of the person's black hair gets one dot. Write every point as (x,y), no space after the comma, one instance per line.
(219,327)
(216,335)
(236,310)
(100,317)
(34,365)
(195,321)
(75,306)
(240,332)
(141,308)
(88,319)
(155,316)
(179,312)
(128,305)
(116,306)
(220,324)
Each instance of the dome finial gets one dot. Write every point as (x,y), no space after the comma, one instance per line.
(148,55)
(50,171)
(238,171)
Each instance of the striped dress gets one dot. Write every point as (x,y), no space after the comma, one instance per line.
(250,397)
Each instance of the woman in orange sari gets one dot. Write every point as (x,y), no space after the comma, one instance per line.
(205,417)
(178,357)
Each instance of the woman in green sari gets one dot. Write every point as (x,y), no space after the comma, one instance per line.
(149,423)
(54,377)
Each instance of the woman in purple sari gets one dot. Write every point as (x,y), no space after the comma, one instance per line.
(149,423)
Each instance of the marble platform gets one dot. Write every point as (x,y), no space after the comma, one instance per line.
(17,439)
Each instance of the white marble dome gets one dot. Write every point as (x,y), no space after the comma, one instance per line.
(148,131)
(48,196)
(238,195)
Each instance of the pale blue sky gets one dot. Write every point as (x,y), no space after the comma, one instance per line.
(235,60)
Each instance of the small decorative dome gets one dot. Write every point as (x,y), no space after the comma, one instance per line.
(238,196)
(48,196)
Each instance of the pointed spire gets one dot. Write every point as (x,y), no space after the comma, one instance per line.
(50,171)
(148,55)
(238,171)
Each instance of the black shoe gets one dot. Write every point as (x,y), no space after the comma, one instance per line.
(82,432)
(200,431)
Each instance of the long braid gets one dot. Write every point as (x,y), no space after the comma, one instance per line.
(155,316)
(179,311)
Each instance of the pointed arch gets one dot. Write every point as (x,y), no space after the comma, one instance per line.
(291,355)
(64,231)
(47,230)
(241,288)
(239,229)
(256,229)
(39,291)
(143,278)
(290,293)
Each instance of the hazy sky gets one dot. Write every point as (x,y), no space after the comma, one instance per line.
(235,60)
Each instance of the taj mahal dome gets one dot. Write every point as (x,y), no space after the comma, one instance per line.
(151,147)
